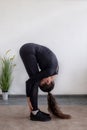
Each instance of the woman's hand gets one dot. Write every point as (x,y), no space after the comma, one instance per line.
(29,104)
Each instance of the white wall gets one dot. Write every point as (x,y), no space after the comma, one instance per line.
(61,25)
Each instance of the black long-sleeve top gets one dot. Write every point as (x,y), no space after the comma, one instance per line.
(46,59)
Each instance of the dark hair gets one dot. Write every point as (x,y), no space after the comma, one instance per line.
(52,104)
(47,88)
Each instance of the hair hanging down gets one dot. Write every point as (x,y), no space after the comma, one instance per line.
(52,104)
(54,109)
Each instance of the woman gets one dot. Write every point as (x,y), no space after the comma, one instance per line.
(41,65)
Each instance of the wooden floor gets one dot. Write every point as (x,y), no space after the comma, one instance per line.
(16,117)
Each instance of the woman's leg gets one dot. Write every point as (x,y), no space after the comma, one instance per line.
(32,93)
(30,64)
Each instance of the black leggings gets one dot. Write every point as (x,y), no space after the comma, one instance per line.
(30,64)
